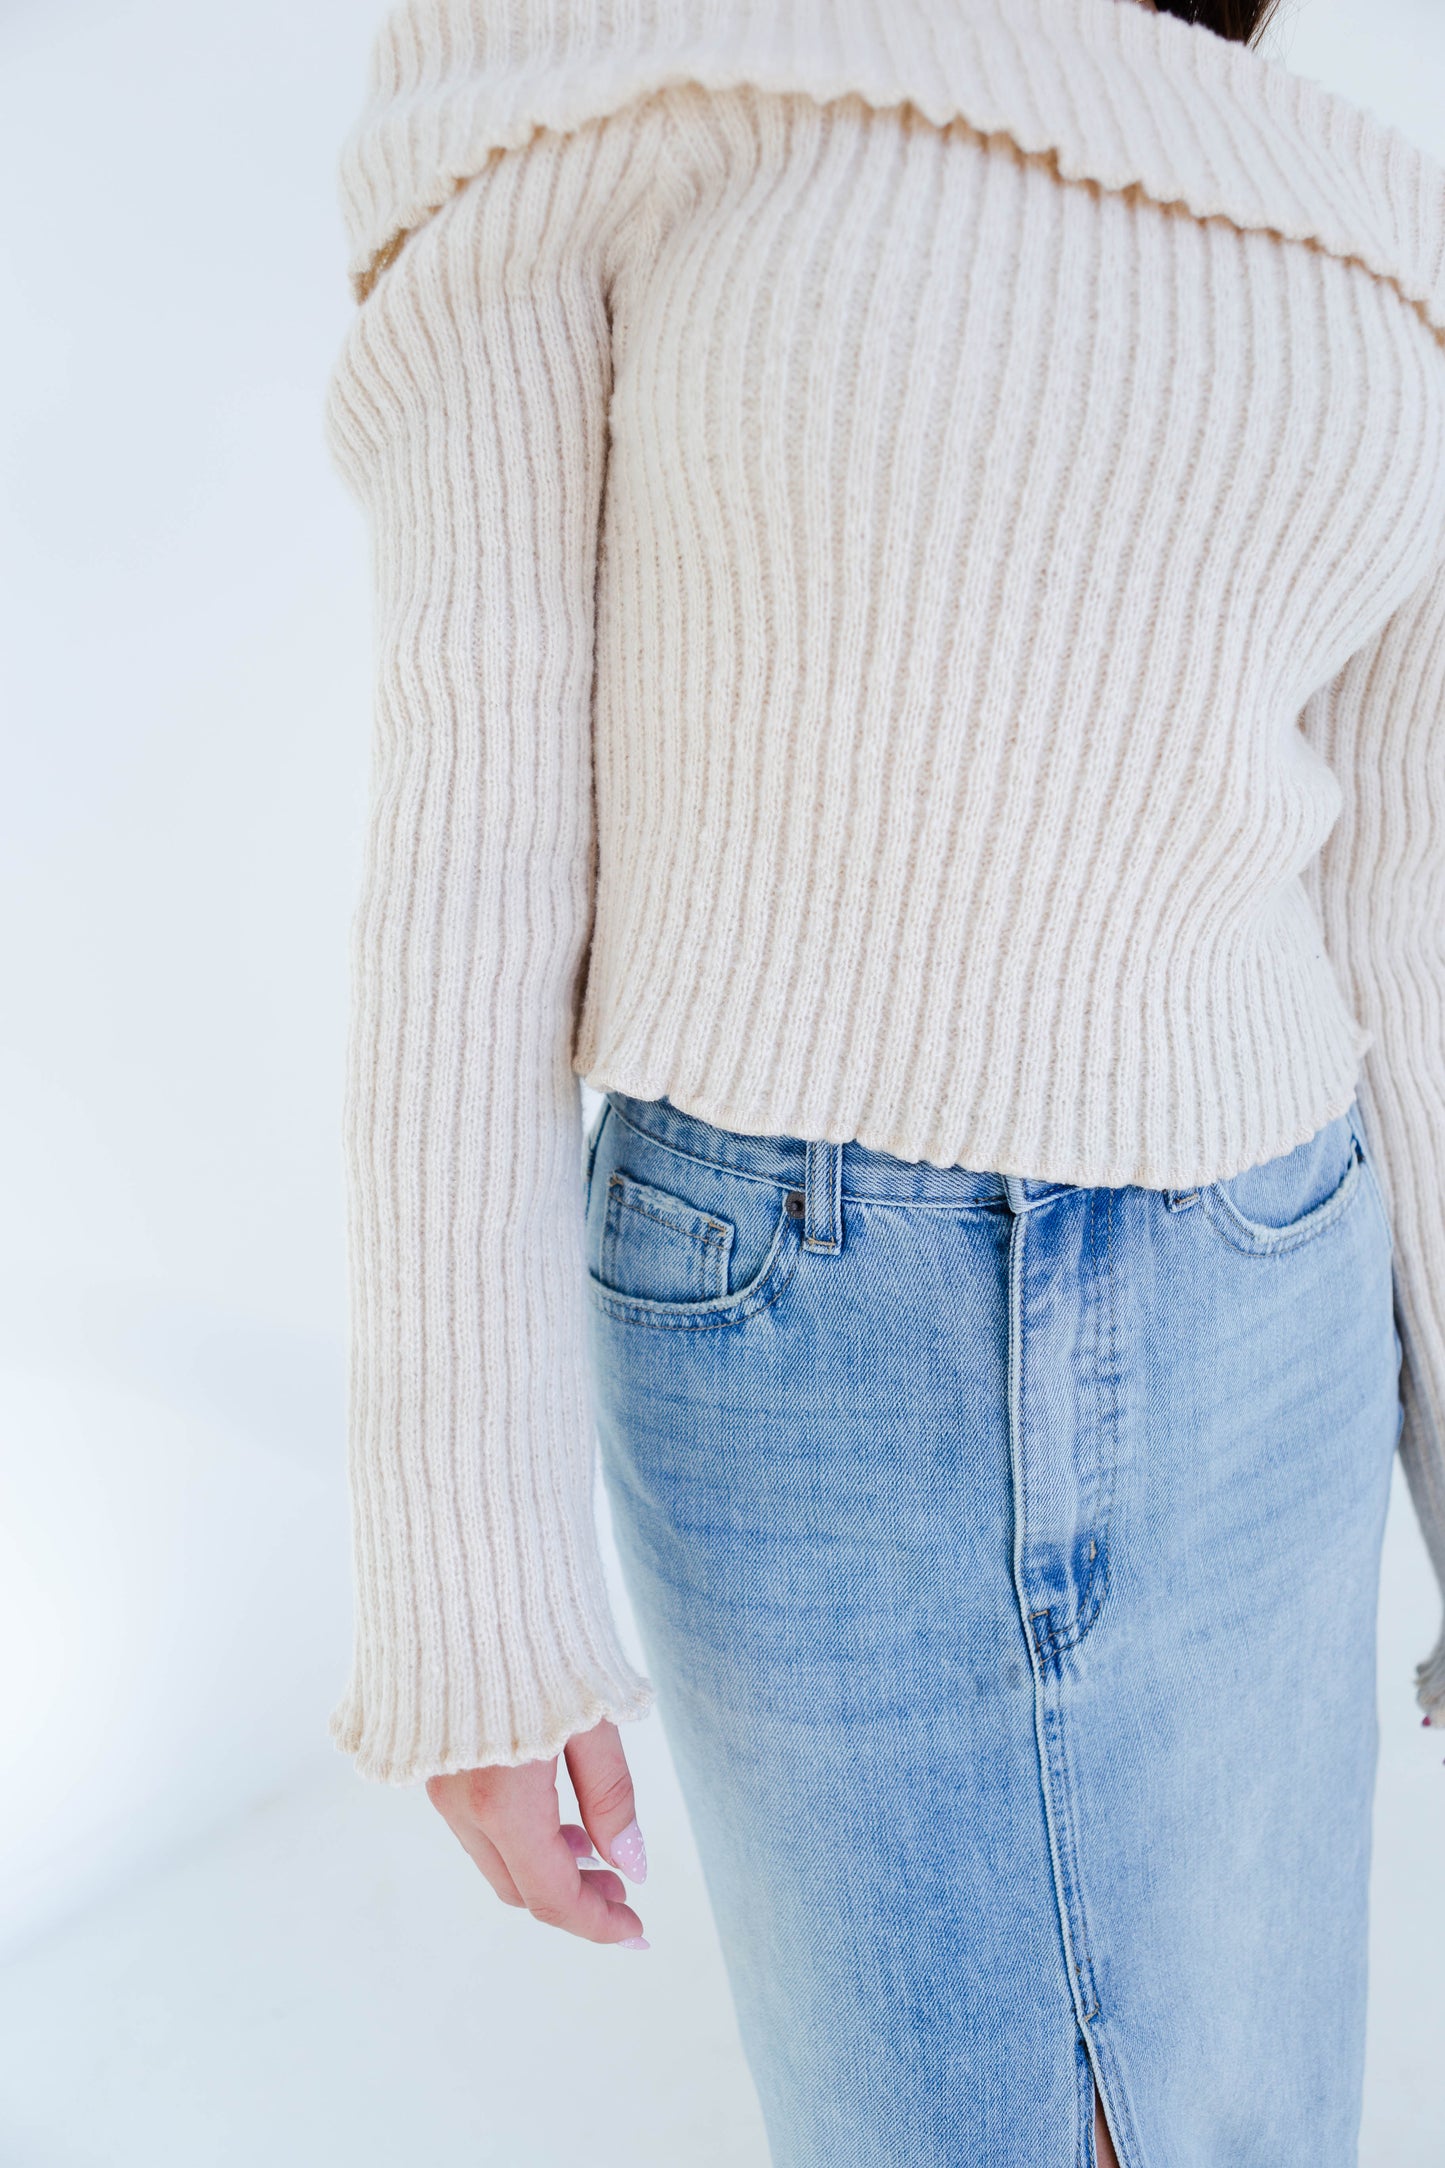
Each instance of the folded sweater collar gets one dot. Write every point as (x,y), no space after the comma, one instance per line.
(1112,93)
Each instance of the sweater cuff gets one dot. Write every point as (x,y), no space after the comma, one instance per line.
(404,1726)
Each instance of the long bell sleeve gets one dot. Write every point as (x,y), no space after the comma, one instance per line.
(469,412)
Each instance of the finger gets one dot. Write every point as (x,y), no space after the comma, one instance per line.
(449,1795)
(603,1784)
(581,1847)
(525,1828)
(478,1846)
(611,1885)
(558,1894)
(580,1842)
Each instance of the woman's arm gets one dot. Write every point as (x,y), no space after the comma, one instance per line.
(469,412)
(1379,889)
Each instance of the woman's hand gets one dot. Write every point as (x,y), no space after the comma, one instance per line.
(510,1823)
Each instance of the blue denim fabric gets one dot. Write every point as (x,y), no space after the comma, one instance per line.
(1006,1555)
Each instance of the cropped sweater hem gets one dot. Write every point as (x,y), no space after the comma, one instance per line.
(988,1151)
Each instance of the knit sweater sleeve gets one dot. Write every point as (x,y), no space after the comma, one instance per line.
(469,412)
(1379,888)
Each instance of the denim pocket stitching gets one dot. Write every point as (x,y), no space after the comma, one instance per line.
(1254,1239)
(630,1195)
(776,1270)
(711,1237)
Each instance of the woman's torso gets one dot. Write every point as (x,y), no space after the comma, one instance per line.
(973,543)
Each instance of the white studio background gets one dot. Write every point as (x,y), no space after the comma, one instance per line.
(217,1945)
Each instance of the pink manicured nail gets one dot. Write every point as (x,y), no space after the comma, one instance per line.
(634,1942)
(629,1853)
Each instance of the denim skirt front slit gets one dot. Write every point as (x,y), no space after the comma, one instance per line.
(1005,1553)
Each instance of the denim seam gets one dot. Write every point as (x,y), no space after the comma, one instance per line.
(1095,1587)
(995,1205)
(1070,1892)
(1085,2154)
(1118,2110)
(1043,1665)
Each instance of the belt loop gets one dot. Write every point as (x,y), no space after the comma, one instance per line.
(823,1227)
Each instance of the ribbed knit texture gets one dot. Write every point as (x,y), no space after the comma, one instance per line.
(910,550)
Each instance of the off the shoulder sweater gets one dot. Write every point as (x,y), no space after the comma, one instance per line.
(909,541)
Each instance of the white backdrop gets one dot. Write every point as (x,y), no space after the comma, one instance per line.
(218,1944)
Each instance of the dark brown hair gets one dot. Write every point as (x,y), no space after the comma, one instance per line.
(1241,20)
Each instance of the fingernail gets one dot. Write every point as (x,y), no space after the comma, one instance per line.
(634,1942)
(629,1853)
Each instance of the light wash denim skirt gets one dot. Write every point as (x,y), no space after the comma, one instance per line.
(1006,1554)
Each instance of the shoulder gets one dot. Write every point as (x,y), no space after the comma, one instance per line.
(1111,94)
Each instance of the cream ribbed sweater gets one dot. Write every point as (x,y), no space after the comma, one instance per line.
(910,559)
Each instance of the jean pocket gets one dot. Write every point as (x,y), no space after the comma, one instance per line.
(673,1239)
(1291,1199)
(659,1246)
